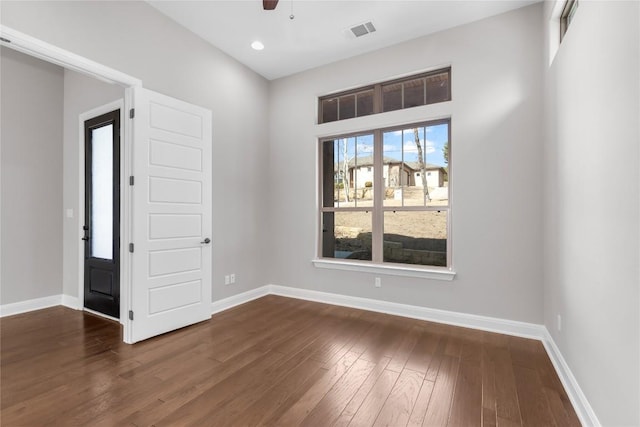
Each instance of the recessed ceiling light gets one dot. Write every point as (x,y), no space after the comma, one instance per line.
(257,45)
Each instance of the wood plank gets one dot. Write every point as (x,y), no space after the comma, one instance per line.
(372,405)
(561,416)
(354,404)
(507,406)
(489,417)
(442,396)
(423,352)
(534,406)
(422,403)
(336,399)
(305,405)
(466,409)
(273,402)
(404,349)
(397,409)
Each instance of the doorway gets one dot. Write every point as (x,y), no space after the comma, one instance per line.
(102,214)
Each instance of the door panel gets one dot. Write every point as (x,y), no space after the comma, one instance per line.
(171,263)
(102,214)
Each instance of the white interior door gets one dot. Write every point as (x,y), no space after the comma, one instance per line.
(171,204)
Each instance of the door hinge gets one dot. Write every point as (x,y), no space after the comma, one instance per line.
(131,180)
(130,314)
(131,247)
(132,113)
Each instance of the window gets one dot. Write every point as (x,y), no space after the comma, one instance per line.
(385,207)
(421,89)
(568,12)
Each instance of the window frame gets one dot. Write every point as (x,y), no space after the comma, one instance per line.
(568,12)
(378,94)
(377,263)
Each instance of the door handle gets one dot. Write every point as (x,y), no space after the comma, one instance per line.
(85,238)
(206,241)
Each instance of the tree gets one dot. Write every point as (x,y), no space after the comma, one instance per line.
(423,168)
(345,170)
(445,153)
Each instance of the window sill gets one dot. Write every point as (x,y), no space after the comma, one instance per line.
(392,270)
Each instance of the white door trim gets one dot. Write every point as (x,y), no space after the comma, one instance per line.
(47,52)
(32,46)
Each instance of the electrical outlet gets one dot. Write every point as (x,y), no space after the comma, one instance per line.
(232,277)
(226,279)
(377,282)
(559,323)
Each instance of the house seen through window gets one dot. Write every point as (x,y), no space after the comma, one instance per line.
(385,195)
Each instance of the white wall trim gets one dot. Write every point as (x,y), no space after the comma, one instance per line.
(484,323)
(579,401)
(30,305)
(234,300)
(47,52)
(71,302)
(392,270)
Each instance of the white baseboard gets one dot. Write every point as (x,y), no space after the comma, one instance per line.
(484,323)
(71,302)
(579,401)
(30,305)
(234,300)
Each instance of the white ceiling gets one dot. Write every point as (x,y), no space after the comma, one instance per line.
(317,35)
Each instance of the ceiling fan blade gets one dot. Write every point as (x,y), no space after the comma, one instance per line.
(269,4)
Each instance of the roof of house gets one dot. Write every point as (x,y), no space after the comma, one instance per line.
(368,161)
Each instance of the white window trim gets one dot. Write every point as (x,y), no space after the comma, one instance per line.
(386,269)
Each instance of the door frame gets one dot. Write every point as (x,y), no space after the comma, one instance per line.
(40,49)
(87,115)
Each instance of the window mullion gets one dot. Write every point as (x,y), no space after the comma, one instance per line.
(378,193)
(377,99)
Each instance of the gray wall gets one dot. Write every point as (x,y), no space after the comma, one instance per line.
(591,221)
(136,39)
(81,94)
(31,192)
(496,171)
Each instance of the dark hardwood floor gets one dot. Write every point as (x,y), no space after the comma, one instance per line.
(274,361)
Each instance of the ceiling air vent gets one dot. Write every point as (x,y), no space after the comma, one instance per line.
(363,29)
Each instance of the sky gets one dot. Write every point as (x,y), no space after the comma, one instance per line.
(400,142)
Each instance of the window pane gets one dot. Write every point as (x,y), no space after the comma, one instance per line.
(409,182)
(346,235)
(437,164)
(365,103)
(414,93)
(392,168)
(347,107)
(363,171)
(102,192)
(329,110)
(416,187)
(416,237)
(392,97)
(438,88)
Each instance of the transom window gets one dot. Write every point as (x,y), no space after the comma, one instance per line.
(421,89)
(385,195)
